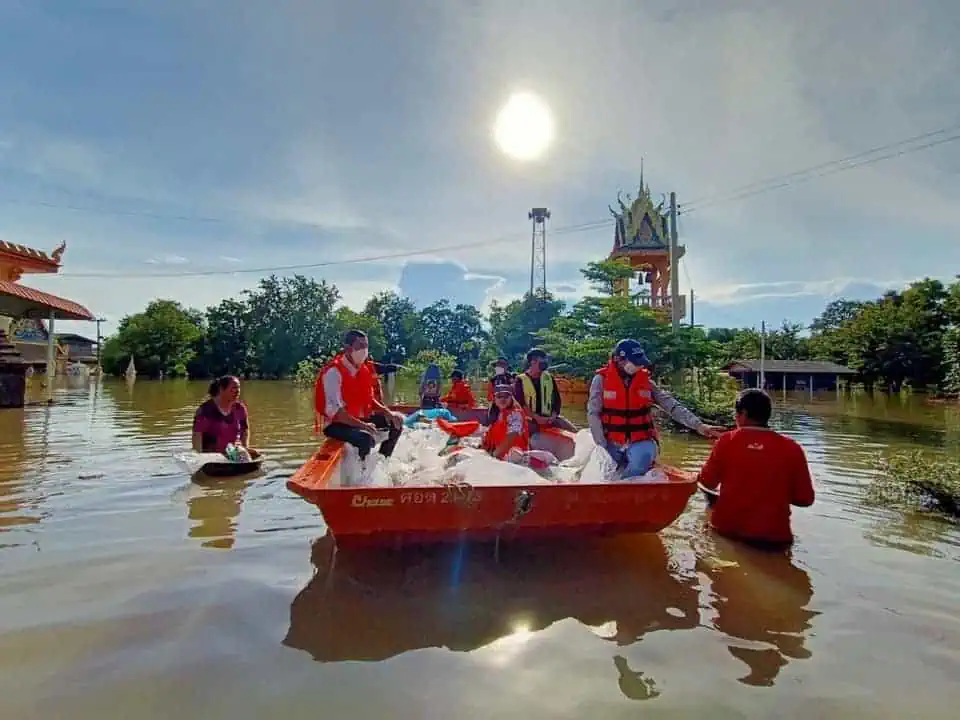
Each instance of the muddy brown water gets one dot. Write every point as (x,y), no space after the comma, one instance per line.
(128,591)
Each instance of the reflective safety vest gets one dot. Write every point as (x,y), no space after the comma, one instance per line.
(498,432)
(627,414)
(546,393)
(357,390)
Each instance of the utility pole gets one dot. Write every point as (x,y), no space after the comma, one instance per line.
(674,266)
(691,308)
(538,250)
(763,353)
(99,339)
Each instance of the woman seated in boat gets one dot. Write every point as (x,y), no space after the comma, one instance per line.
(460,396)
(509,430)
(620,410)
(430,388)
(222,419)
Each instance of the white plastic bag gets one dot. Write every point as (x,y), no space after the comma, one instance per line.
(193,461)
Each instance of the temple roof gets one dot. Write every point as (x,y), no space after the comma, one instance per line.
(31,258)
(21,301)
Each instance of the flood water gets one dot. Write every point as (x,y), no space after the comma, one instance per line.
(127,591)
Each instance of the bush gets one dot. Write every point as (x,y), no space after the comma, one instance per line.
(708,393)
(917,479)
(306,372)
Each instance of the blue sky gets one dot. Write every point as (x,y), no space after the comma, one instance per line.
(228,135)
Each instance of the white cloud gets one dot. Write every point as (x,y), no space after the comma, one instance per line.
(827,288)
(712,95)
(167,260)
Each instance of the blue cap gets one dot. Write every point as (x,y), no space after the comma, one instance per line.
(631,351)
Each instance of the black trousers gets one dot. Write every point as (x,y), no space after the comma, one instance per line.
(363,441)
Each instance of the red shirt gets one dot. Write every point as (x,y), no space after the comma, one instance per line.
(761,474)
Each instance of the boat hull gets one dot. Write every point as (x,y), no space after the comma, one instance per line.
(456,513)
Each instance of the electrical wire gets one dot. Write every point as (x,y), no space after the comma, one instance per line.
(828,168)
(563,230)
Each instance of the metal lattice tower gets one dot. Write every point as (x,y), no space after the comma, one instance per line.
(538,250)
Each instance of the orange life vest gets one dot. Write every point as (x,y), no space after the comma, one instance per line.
(498,432)
(358,390)
(627,414)
(460,396)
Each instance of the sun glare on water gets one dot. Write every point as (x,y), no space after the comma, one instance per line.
(524,128)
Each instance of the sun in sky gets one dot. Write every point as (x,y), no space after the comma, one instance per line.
(524,128)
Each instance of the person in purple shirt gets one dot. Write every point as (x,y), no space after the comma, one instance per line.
(222,419)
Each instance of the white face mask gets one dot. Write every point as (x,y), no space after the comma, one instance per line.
(629,368)
(499,371)
(359,357)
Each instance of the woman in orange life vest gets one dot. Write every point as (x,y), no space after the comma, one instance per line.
(348,395)
(460,395)
(620,410)
(509,430)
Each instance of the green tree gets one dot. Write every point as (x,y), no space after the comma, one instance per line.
(224,347)
(347,319)
(514,327)
(161,339)
(835,315)
(951,361)
(604,275)
(291,319)
(785,343)
(456,331)
(398,317)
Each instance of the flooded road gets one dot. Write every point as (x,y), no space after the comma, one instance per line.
(127,591)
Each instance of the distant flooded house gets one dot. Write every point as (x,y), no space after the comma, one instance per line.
(790,375)
(79,349)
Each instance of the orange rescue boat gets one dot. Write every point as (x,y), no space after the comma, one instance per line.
(429,514)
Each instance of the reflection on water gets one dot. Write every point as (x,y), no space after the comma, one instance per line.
(147,622)
(373,605)
(213,506)
(760,598)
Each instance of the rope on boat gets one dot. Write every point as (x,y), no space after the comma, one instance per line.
(522,504)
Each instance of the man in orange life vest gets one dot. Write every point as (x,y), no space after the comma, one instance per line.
(460,395)
(620,410)
(348,395)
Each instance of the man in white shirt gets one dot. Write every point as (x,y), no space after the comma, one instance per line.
(348,394)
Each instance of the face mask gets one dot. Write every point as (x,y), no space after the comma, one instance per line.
(629,368)
(359,357)
(499,371)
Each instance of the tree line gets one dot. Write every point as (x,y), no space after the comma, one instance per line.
(907,337)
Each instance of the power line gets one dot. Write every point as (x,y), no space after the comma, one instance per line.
(829,168)
(566,230)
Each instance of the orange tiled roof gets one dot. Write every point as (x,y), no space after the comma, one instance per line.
(65,309)
(27,253)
